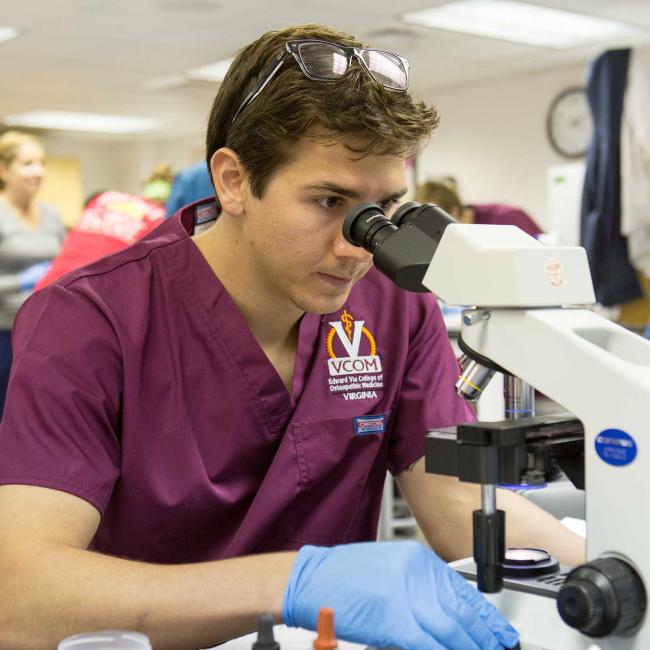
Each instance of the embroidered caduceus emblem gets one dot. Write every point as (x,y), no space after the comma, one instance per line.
(349,333)
(347,321)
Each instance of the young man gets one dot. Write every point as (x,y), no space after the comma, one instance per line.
(187,413)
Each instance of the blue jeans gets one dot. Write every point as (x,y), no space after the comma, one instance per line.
(5,365)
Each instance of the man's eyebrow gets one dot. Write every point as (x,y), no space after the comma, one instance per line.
(350,193)
(396,196)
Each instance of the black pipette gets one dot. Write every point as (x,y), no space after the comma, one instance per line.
(265,639)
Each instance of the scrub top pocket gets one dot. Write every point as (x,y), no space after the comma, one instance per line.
(340,480)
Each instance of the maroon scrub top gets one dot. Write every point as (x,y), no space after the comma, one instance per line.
(137,386)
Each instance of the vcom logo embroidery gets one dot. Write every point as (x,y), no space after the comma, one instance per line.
(357,373)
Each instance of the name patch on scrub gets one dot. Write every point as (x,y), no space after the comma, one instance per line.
(365,425)
(205,213)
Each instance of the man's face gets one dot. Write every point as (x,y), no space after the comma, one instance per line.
(300,256)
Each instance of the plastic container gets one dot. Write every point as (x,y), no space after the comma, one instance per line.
(106,640)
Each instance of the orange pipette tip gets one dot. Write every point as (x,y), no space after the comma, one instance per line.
(326,639)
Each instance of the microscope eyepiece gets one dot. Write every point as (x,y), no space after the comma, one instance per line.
(367,226)
(404,212)
(401,249)
(429,218)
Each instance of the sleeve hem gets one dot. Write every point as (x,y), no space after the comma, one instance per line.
(413,455)
(95,499)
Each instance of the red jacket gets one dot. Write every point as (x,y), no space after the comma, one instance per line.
(109,222)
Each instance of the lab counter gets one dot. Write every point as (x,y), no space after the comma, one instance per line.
(289,638)
(298,639)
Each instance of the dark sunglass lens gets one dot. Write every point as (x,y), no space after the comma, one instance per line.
(323,60)
(386,68)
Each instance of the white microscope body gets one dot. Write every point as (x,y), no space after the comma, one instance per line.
(525,316)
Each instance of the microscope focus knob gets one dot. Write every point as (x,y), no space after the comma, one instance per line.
(602,597)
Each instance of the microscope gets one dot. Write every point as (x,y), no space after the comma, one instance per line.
(525,317)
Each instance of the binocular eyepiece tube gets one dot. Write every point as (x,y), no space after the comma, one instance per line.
(402,247)
(367,226)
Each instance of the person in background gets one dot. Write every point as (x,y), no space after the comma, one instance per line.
(159,184)
(443,194)
(109,222)
(31,234)
(191,184)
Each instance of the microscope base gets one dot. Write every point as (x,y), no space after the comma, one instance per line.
(529,604)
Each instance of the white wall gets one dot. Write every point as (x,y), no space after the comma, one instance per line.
(122,165)
(97,160)
(492,139)
(139,156)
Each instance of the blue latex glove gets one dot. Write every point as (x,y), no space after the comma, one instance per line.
(31,275)
(391,594)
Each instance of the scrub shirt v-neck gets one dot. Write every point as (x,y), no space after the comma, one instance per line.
(138,387)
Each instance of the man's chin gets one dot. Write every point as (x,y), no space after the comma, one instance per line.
(324,305)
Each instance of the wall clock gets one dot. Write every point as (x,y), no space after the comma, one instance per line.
(569,123)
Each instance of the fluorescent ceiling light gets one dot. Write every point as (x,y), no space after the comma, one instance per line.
(7,33)
(91,122)
(211,72)
(520,22)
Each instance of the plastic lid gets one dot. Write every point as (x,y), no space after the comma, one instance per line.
(106,640)
(326,639)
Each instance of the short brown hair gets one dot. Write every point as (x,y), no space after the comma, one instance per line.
(10,142)
(442,194)
(383,121)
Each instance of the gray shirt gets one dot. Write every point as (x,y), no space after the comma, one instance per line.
(20,248)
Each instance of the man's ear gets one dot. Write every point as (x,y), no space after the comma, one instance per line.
(229,180)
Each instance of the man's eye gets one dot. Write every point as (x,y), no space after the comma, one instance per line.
(330,202)
(387,206)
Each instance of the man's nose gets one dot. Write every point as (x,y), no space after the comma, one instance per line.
(343,248)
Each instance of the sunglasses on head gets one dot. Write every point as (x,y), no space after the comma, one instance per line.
(325,61)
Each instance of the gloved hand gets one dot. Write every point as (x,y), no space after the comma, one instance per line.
(390,594)
(32,274)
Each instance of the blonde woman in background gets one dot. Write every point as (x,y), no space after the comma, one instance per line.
(31,234)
